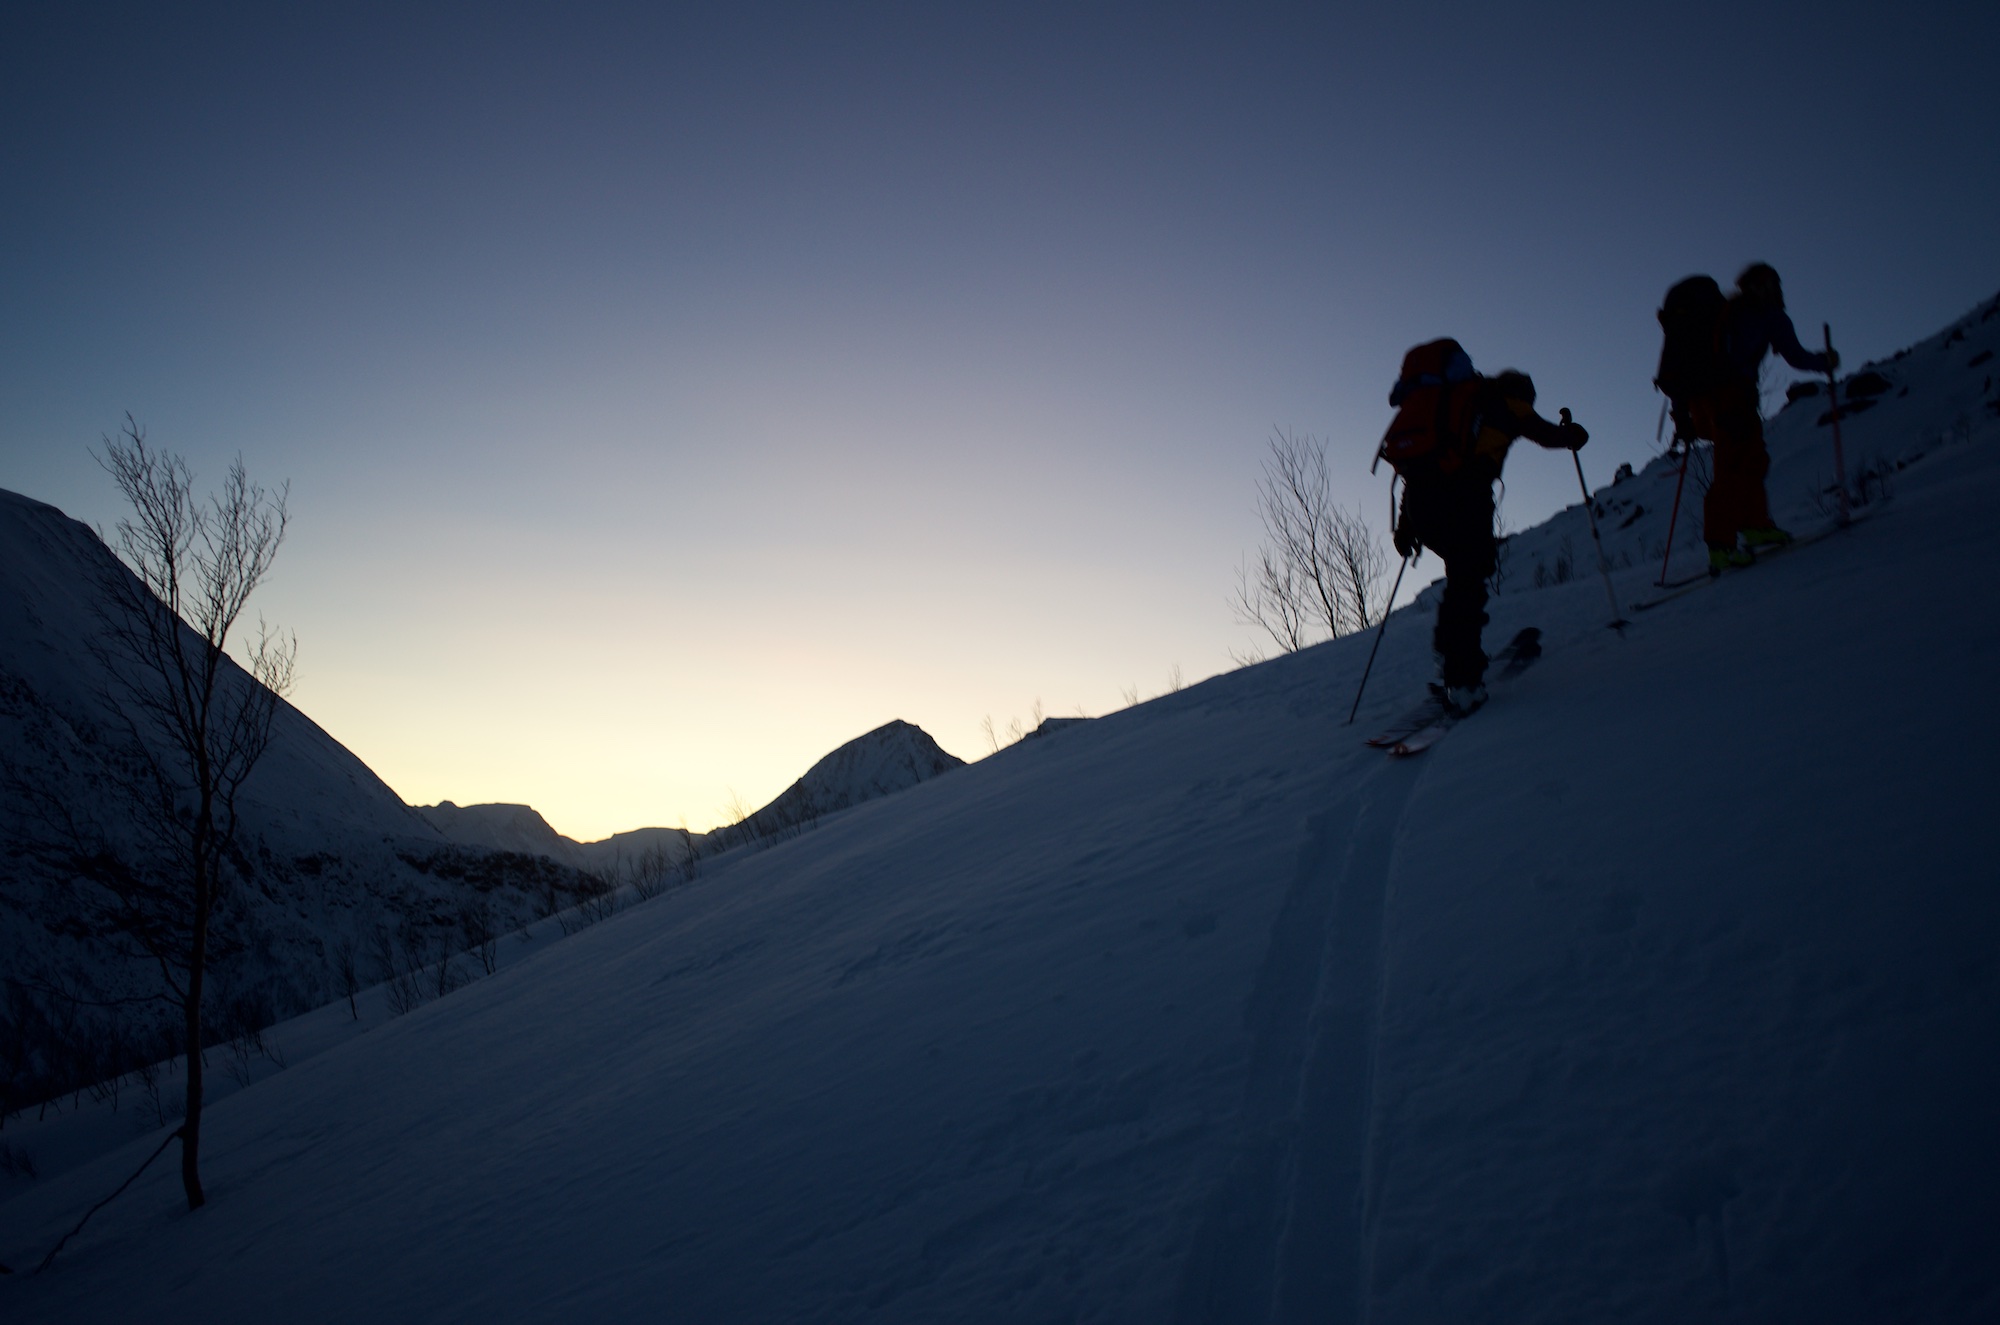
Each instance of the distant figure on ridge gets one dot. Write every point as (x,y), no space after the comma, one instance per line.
(1448,442)
(1708,369)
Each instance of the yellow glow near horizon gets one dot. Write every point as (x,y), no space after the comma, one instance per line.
(596,709)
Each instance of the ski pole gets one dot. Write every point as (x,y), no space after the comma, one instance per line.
(1673,521)
(1618,622)
(1387,608)
(1833,398)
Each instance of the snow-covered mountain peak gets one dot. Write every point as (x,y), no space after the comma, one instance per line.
(893,756)
(503,827)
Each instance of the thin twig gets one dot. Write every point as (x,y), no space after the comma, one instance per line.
(50,1258)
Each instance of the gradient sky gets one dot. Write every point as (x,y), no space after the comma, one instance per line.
(671,393)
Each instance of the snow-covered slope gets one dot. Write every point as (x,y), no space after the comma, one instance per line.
(1664,990)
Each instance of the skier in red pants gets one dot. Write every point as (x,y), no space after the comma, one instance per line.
(1754,324)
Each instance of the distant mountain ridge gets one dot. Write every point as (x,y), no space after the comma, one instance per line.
(895,756)
(504,827)
(889,759)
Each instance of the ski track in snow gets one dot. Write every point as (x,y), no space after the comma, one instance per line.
(1323,1258)
(1285,1237)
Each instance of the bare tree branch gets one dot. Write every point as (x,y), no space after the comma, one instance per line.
(1321,570)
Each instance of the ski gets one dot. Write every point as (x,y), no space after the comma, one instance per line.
(1418,718)
(1676,588)
(1689,581)
(1523,649)
(1418,742)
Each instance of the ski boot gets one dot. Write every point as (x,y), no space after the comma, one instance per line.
(1462,701)
(1721,559)
(1756,540)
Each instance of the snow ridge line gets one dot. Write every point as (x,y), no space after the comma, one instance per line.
(1281,1238)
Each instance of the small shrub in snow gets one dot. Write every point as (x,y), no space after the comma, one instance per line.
(16,1163)
(476,930)
(1562,572)
(652,874)
(1870,482)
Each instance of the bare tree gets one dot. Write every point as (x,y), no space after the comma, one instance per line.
(1321,571)
(195,725)
(398,965)
(478,933)
(652,873)
(346,965)
(1268,597)
(447,978)
(690,853)
(1358,568)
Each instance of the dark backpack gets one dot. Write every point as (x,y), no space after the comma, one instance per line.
(1436,401)
(1691,354)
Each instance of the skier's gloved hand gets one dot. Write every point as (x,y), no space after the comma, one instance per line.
(1407,543)
(1572,435)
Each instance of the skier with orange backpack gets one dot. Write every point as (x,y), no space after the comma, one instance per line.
(1448,442)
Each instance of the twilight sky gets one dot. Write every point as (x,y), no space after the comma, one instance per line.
(671,393)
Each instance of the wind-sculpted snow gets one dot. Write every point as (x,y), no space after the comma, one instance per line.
(1663,990)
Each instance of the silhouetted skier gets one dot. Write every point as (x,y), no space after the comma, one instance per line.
(1711,378)
(1449,441)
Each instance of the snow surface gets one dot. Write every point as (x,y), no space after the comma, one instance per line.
(1664,990)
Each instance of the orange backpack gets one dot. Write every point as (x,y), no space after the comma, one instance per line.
(1436,401)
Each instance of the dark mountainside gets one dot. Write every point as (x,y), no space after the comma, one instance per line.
(338,874)
(331,861)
